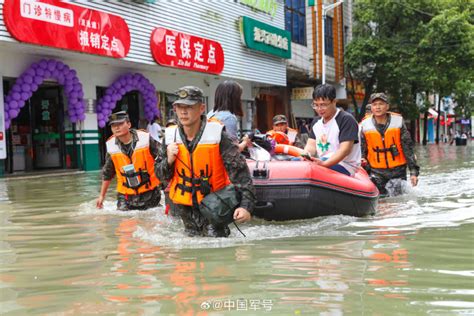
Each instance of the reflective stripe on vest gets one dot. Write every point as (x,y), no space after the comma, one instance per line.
(379,154)
(141,159)
(205,163)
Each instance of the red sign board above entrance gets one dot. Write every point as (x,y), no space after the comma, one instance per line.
(64,25)
(181,50)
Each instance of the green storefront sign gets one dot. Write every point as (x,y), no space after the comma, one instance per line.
(265,38)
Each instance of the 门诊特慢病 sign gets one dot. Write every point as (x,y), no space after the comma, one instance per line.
(68,26)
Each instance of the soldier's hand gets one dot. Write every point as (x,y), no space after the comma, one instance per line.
(100,202)
(414,180)
(241,215)
(172,151)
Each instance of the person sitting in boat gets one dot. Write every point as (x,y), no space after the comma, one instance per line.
(228,104)
(199,158)
(334,136)
(282,134)
(130,156)
(387,146)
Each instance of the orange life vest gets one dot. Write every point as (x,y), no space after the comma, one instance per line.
(142,160)
(283,138)
(384,151)
(200,172)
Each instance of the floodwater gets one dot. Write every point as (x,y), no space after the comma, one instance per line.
(61,256)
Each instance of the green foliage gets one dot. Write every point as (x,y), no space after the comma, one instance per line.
(405,47)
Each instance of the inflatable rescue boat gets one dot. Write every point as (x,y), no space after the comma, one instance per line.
(289,188)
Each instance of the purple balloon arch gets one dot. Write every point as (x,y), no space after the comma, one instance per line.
(30,80)
(121,86)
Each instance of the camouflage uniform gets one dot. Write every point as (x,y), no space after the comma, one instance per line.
(133,202)
(381,176)
(237,170)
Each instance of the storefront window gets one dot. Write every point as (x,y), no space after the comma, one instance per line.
(36,139)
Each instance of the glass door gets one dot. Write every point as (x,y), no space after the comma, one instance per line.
(47,128)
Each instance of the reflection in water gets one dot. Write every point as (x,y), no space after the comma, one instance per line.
(61,256)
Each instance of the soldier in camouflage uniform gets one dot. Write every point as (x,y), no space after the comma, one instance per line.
(176,165)
(125,139)
(386,145)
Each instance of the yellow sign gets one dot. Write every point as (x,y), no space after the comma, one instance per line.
(267,6)
(305,93)
(359,90)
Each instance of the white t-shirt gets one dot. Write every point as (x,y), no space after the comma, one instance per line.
(342,127)
(155,131)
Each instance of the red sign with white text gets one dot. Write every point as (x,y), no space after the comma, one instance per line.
(64,25)
(180,50)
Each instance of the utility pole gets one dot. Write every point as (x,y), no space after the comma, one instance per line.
(326,9)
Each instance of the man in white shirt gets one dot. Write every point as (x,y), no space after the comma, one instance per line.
(335,135)
(154,129)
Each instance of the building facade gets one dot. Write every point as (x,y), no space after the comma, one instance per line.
(81,60)
(304,70)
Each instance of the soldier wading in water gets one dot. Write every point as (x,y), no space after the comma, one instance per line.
(199,158)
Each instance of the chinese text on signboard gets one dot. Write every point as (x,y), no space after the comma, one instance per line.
(179,50)
(265,38)
(68,26)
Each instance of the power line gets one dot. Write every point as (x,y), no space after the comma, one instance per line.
(414,9)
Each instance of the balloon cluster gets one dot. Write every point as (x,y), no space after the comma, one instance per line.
(126,83)
(30,80)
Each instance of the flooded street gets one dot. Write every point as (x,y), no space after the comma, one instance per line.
(59,255)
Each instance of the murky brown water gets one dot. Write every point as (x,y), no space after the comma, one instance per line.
(61,256)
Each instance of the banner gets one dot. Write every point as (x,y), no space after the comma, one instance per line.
(68,26)
(180,50)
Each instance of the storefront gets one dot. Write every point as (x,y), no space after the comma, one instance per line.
(60,120)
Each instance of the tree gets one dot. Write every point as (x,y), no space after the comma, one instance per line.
(448,44)
(405,47)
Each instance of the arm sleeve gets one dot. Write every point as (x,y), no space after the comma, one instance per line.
(154,147)
(230,123)
(238,171)
(363,146)
(348,128)
(163,170)
(108,170)
(311,131)
(408,150)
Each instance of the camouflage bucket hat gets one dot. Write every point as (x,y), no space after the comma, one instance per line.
(189,95)
(379,95)
(277,119)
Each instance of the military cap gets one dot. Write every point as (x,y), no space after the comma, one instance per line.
(189,95)
(118,117)
(277,119)
(379,95)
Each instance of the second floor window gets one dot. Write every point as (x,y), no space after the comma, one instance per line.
(295,20)
(328,37)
